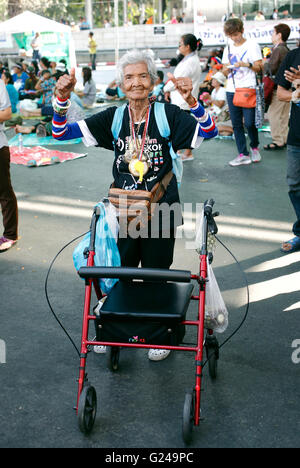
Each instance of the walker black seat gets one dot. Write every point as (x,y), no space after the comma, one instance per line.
(150,301)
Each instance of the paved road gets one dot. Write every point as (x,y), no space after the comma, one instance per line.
(255,400)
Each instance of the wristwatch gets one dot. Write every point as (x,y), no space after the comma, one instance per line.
(250,65)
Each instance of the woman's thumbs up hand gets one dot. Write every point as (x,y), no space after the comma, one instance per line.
(184,86)
(66,85)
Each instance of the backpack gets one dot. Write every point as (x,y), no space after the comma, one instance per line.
(164,130)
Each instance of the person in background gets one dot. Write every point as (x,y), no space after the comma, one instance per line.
(92,50)
(88,95)
(190,67)
(2,67)
(12,92)
(217,100)
(288,90)
(242,59)
(36,46)
(61,67)
(44,64)
(46,86)
(29,91)
(114,91)
(158,90)
(218,107)
(8,201)
(259,16)
(278,112)
(19,77)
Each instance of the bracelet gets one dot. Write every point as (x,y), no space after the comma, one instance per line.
(61,110)
(195,103)
(295,99)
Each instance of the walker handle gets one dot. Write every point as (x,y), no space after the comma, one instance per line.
(129,273)
(208,206)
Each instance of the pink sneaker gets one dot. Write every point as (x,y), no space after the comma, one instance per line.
(6,244)
(240,160)
(255,155)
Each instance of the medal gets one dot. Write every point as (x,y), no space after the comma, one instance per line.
(128,156)
(138,168)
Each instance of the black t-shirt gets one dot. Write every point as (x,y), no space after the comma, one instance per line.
(292,59)
(182,128)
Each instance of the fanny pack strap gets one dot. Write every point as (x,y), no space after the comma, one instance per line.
(162,187)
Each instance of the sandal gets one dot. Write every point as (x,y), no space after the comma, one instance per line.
(275,147)
(294,243)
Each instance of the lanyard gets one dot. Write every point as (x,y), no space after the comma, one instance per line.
(144,133)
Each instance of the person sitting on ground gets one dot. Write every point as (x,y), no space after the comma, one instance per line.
(114,91)
(44,64)
(42,129)
(12,92)
(19,76)
(61,67)
(46,85)
(88,95)
(217,99)
(218,107)
(29,91)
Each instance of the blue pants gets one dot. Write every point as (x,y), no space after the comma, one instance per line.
(293,180)
(241,116)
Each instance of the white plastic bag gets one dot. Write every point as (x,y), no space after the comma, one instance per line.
(216,314)
(112,220)
(28,104)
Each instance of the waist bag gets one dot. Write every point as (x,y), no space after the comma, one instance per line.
(132,204)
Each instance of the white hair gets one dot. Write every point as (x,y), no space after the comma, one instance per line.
(136,56)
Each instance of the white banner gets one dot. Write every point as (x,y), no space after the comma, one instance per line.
(212,34)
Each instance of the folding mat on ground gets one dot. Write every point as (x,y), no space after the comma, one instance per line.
(39,156)
(33,140)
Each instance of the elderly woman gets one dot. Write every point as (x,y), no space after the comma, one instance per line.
(142,155)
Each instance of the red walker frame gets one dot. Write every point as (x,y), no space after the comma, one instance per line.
(192,409)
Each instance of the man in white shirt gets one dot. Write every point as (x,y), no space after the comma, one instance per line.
(36,45)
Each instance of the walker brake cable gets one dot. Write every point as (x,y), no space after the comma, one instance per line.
(46,290)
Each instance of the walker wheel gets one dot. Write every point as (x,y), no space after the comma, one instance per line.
(212,351)
(188,417)
(87,409)
(113,357)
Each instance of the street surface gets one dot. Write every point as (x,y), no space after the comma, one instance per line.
(255,400)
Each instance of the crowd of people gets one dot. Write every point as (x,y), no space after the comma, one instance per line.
(31,87)
(226,102)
